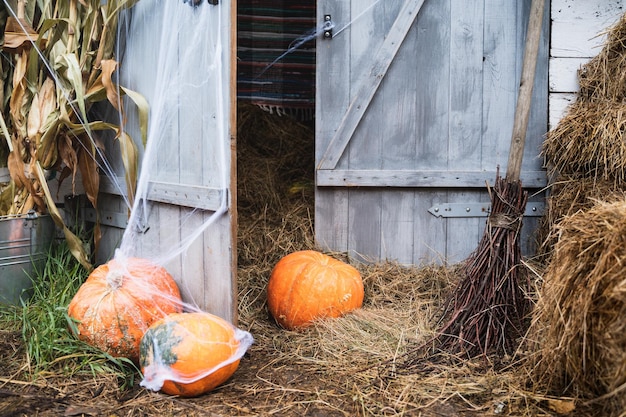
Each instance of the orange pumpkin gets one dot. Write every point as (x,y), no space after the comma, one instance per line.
(189,354)
(307,285)
(119,301)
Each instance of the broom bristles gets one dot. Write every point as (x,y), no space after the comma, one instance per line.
(486,312)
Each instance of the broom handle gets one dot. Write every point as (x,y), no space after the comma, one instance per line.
(524,98)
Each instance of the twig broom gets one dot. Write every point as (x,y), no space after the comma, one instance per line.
(486,312)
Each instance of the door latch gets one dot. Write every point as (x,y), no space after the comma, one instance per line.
(327,28)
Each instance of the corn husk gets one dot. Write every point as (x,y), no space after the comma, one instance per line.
(62,62)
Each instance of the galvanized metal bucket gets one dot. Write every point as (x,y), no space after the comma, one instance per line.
(24,244)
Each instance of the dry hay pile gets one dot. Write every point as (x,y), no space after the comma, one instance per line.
(577,340)
(275,163)
(579,324)
(589,140)
(568,196)
(586,152)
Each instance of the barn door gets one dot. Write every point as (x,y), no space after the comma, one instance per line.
(188,225)
(415,106)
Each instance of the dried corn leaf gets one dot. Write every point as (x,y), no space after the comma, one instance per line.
(75,78)
(130,158)
(19,102)
(18,35)
(143,111)
(89,171)
(69,157)
(74,243)
(108,68)
(43,104)
(16,168)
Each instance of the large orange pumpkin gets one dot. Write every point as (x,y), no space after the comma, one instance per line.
(189,354)
(119,301)
(307,285)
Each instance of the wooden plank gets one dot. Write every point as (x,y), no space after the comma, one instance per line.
(559,105)
(331,219)
(333,97)
(466,77)
(370,83)
(364,225)
(429,231)
(432,69)
(463,235)
(193,139)
(538,122)
(499,74)
(201,197)
(579,26)
(563,75)
(466,104)
(419,178)
(232,132)
(397,233)
(365,147)
(111,236)
(218,243)
(399,150)
(432,66)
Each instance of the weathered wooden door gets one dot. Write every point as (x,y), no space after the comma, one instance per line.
(180,58)
(415,107)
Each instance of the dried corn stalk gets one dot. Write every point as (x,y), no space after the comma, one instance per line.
(57,61)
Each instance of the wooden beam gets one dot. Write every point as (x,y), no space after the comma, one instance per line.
(420,178)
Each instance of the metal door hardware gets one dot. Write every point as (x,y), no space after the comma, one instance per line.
(478,209)
(327,27)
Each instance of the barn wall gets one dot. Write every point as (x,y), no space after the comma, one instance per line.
(577,35)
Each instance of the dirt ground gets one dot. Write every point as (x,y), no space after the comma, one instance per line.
(261,386)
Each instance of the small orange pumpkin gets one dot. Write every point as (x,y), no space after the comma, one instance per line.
(119,301)
(189,354)
(307,285)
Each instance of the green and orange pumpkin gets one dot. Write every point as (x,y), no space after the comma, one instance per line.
(189,354)
(119,301)
(308,285)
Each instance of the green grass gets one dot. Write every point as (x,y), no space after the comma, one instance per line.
(50,346)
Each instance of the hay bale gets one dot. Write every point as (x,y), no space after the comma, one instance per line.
(569,195)
(589,141)
(603,77)
(579,324)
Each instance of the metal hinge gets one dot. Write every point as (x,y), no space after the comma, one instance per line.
(478,209)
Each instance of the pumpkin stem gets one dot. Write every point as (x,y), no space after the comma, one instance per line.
(114,279)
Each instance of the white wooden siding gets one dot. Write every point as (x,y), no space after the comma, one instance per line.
(578,34)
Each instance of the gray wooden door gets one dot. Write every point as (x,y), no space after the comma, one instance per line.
(415,108)
(191,172)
